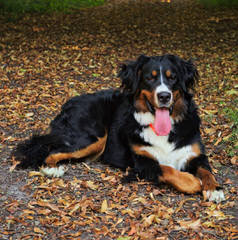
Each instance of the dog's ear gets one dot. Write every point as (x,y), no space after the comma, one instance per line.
(130,74)
(190,75)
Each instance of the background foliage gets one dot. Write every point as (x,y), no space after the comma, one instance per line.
(22,6)
(212,3)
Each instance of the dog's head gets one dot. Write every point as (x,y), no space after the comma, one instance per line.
(160,85)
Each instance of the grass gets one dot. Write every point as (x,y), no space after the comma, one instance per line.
(232,115)
(219,3)
(23,6)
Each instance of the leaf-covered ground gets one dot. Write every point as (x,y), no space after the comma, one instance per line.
(45,60)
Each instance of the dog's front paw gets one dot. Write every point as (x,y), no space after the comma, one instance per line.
(214,195)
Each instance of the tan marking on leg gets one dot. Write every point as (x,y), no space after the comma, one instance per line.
(97,155)
(208,180)
(93,149)
(182,181)
(139,151)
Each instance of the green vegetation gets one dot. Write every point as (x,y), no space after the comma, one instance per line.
(22,6)
(232,115)
(219,3)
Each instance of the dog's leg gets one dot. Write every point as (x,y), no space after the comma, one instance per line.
(95,149)
(182,181)
(199,166)
(211,188)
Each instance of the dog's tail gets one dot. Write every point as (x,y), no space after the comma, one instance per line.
(33,152)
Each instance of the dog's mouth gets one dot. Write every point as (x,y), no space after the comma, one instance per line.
(162,123)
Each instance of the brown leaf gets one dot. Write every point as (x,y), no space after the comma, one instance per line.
(38,230)
(149,220)
(44,211)
(234,160)
(228,181)
(133,230)
(193,224)
(15,163)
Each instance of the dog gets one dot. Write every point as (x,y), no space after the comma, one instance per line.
(149,125)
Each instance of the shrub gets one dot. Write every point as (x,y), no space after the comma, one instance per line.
(22,6)
(219,3)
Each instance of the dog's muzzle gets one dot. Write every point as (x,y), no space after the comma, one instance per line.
(164,98)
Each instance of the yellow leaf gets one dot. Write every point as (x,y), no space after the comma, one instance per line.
(209,111)
(76,207)
(104,206)
(218,141)
(15,163)
(209,130)
(209,224)
(128,211)
(91,185)
(149,220)
(38,230)
(141,200)
(30,114)
(232,92)
(34,173)
(44,211)
(27,211)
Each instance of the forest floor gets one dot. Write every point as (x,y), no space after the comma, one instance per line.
(46,59)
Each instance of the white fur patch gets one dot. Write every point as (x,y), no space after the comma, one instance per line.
(162,88)
(164,151)
(53,171)
(215,196)
(144,118)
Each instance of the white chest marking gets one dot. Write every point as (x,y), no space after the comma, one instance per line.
(144,118)
(164,151)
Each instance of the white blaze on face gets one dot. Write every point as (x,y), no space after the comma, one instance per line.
(162,88)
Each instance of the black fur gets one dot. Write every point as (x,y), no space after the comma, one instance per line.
(85,118)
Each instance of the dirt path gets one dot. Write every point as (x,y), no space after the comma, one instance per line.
(44,60)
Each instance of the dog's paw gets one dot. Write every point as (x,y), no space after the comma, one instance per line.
(53,171)
(214,196)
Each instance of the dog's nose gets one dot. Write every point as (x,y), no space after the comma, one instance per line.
(164,97)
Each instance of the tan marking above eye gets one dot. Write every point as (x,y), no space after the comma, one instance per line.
(154,73)
(168,73)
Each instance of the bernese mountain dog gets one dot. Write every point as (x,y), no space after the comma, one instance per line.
(150,125)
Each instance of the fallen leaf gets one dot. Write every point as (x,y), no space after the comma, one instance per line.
(104,206)
(228,181)
(38,230)
(234,160)
(34,173)
(193,224)
(91,185)
(148,220)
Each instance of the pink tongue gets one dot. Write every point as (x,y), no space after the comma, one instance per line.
(162,122)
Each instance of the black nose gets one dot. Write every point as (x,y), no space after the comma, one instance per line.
(164,97)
